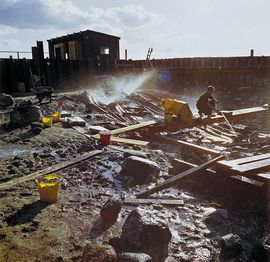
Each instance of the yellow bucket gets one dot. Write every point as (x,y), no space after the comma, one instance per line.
(168,117)
(47,121)
(56,117)
(48,188)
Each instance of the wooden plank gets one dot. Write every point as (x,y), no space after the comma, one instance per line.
(221,133)
(174,180)
(186,144)
(265,175)
(49,170)
(165,202)
(244,160)
(246,111)
(211,135)
(248,180)
(180,165)
(258,165)
(129,141)
(129,128)
(125,140)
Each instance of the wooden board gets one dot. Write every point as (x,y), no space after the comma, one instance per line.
(221,133)
(253,166)
(174,180)
(125,140)
(244,160)
(129,141)
(186,144)
(214,137)
(129,128)
(265,176)
(245,111)
(248,180)
(180,165)
(165,202)
(48,170)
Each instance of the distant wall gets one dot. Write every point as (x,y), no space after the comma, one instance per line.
(179,72)
(223,71)
(60,74)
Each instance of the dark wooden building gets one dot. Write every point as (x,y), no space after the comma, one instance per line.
(86,45)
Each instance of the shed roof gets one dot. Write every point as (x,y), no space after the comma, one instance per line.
(81,33)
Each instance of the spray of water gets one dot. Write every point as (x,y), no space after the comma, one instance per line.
(112,89)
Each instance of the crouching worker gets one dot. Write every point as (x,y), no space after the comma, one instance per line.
(206,103)
(180,109)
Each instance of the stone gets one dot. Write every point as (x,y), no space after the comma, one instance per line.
(217,217)
(143,170)
(85,148)
(2,235)
(6,101)
(144,232)
(231,246)
(111,208)
(129,152)
(99,253)
(37,130)
(24,114)
(134,257)
(260,252)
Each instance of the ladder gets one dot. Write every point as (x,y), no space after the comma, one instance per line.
(149,52)
(148,56)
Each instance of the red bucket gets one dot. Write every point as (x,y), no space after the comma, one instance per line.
(105,137)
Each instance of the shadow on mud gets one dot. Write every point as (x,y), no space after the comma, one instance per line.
(26,214)
(99,227)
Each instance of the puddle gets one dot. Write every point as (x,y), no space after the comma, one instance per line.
(15,150)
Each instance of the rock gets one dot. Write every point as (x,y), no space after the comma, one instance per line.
(85,148)
(134,257)
(129,152)
(143,170)
(5,101)
(111,208)
(2,235)
(36,124)
(231,246)
(37,130)
(217,217)
(36,127)
(99,253)
(24,114)
(260,252)
(144,232)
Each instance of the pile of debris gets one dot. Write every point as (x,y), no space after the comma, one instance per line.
(158,192)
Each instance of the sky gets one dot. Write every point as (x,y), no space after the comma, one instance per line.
(173,28)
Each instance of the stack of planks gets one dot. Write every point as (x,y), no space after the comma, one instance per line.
(247,165)
(255,167)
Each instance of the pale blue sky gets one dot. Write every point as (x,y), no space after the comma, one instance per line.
(174,28)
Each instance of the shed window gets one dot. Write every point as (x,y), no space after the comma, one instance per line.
(104,50)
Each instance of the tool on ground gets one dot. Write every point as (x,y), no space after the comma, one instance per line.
(227,121)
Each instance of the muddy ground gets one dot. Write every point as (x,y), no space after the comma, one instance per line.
(34,231)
